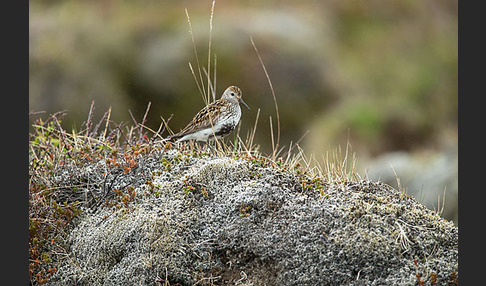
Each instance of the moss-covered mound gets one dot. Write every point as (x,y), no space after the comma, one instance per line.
(172,216)
(109,206)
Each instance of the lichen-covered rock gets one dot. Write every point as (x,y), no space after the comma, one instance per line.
(223,221)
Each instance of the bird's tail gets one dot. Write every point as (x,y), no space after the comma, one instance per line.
(172,138)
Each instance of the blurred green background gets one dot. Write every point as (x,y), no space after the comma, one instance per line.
(381,74)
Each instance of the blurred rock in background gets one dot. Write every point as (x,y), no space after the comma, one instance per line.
(382,75)
(429,175)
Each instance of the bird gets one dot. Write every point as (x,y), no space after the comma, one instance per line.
(215,120)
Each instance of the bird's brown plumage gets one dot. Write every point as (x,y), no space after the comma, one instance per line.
(205,118)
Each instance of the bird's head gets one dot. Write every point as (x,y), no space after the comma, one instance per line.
(234,94)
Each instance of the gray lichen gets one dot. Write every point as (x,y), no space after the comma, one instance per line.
(223,221)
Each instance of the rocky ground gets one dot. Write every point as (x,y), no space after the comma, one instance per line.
(210,220)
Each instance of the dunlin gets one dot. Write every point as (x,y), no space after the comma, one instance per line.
(216,120)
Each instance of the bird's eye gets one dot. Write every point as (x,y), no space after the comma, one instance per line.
(232,94)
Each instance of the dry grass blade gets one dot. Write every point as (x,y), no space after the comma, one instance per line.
(130,129)
(107,122)
(399,184)
(271,137)
(296,144)
(275,147)
(166,124)
(97,126)
(212,87)
(340,168)
(440,208)
(251,136)
(143,122)
(214,77)
(162,128)
(199,85)
(209,48)
(89,121)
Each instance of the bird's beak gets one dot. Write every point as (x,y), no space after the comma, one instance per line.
(242,102)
